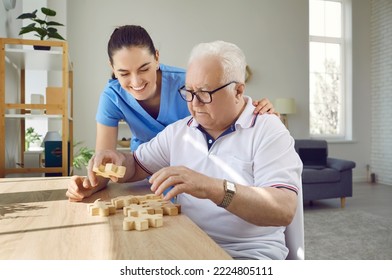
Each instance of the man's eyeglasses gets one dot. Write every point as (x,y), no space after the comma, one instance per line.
(203,96)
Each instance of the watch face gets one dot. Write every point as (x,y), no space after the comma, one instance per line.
(230,186)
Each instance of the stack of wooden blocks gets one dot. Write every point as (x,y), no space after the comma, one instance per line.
(140,211)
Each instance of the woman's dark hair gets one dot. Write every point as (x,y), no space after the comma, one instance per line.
(129,36)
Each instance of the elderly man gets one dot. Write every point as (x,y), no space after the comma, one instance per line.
(236,174)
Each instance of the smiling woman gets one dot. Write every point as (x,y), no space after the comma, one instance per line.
(140,92)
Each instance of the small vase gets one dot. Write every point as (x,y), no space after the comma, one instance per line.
(42,48)
(35,146)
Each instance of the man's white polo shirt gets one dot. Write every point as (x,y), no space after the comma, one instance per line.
(258,152)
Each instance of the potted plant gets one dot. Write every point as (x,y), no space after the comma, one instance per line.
(82,156)
(31,136)
(43,28)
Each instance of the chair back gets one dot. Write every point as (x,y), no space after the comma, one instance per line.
(294,233)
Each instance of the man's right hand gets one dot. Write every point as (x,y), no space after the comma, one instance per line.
(102,158)
(80,187)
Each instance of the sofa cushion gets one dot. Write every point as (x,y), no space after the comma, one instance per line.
(314,176)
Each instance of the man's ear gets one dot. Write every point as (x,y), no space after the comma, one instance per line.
(240,88)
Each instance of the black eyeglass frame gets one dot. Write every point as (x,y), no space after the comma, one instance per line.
(195,93)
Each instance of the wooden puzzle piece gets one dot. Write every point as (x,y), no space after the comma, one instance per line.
(167,207)
(178,206)
(142,222)
(148,197)
(123,201)
(136,209)
(141,211)
(101,208)
(135,223)
(110,169)
(154,220)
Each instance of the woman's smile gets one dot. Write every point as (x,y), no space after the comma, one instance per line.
(140,88)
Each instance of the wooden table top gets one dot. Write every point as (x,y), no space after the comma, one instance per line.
(38,222)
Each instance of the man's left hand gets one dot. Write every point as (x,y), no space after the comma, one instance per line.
(183,180)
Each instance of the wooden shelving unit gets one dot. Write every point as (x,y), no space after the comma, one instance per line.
(14,52)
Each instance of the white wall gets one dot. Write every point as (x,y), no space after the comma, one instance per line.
(9,25)
(359,150)
(381,71)
(272,33)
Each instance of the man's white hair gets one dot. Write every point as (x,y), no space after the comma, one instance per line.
(231,56)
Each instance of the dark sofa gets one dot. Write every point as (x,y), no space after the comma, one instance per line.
(323,177)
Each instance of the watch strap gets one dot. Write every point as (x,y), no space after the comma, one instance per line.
(228,196)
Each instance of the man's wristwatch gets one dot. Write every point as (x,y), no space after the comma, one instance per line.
(230,191)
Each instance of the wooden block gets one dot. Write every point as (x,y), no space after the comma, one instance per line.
(148,197)
(135,223)
(166,207)
(144,211)
(154,220)
(170,209)
(153,208)
(136,209)
(123,201)
(101,208)
(110,169)
(142,222)
(54,96)
(152,196)
(178,207)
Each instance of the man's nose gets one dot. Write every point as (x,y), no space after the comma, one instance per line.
(196,102)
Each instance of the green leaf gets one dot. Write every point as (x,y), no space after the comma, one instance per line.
(30,25)
(41,32)
(27,29)
(77,143)
(82,157)
(52,30)
(55,35)
(28,15)
(32,136)
(53,23)
(48,12)
(40,21)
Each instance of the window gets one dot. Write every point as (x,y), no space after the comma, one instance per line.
(329,89)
